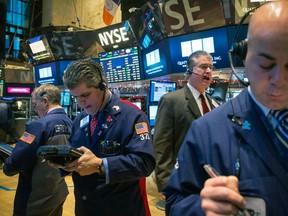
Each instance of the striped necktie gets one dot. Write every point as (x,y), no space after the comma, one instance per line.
(281,129)
(204,104)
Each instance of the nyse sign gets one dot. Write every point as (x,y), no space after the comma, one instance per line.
(116,36)
(185,16)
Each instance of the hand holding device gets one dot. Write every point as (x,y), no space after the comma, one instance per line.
(59,154)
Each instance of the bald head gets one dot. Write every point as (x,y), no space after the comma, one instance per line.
(271,17)
(266,62)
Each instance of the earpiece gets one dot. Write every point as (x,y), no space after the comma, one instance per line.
(189,71)
(102,85)
(239,49)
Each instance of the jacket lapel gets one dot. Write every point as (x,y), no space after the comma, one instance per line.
(253,123)
(192,104)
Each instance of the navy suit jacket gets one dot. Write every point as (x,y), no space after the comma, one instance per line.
(218,140)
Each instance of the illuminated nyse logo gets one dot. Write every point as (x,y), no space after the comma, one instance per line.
(113,36)
(206,44)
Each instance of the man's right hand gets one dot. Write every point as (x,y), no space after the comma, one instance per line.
(220,196)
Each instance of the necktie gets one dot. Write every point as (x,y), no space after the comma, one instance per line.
(93,124)
(281,129)
(204,104)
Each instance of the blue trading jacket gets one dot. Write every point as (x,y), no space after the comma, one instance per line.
(32,173)
(217,140)
(123,138)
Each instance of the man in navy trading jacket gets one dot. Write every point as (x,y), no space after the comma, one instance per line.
(245,140)
(114,136)
(41,190)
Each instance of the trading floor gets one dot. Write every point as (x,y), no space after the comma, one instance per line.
(8,187)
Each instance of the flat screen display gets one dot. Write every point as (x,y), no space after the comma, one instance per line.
(147,25)
(152,114)
(214,41)
(158,89)
(121,65)
(65,99)
(18,89)
(156,60)
(46,74)
(40,50)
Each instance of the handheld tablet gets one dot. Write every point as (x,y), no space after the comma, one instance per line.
(59,154)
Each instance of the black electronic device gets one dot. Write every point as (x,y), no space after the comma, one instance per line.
(59,154)
(5,151)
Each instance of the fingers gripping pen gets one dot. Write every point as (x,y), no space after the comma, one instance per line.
(213,174)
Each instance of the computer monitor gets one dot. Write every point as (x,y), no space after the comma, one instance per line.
(65,98)
(159,88)
(152,114)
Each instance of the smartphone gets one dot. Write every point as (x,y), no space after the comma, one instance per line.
(59,154)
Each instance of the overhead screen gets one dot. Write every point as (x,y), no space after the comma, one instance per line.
(40,51)
(156,60)
(213,41)
(52,73)
(121,65)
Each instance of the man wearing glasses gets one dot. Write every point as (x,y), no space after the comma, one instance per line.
(176,112)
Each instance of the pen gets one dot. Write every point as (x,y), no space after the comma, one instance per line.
(210,171)
(213,174)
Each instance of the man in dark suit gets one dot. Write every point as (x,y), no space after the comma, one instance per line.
(176,112)
(243,144)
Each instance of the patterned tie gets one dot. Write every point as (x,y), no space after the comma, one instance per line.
(204,104)
(281,129)
(93,124)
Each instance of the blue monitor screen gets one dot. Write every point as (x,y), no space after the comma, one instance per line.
(213,41)
(62,67)
(121,65)
(156,61)
(152,114)
(46,74)
(158,88)
(65,99)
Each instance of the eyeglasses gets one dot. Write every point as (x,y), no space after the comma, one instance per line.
(205,66)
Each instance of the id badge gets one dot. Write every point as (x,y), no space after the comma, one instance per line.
(255,206)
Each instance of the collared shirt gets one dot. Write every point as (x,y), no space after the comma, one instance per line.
(196,95)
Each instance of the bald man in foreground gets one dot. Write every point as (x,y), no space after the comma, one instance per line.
(244,142)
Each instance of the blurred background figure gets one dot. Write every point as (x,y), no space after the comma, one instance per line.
(7,124)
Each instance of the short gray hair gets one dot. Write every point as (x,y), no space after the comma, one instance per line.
(51,92)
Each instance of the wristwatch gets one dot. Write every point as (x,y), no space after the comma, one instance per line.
(101,168)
